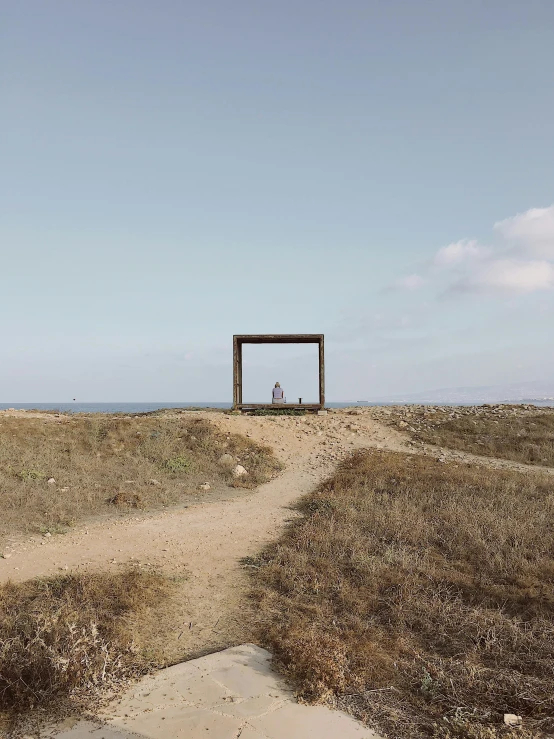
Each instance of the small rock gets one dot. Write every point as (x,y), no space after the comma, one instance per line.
(157,483)
(64,490)
(226,460)
(239,471)
(510,719)
(47,534)
(51,481)
(205,486)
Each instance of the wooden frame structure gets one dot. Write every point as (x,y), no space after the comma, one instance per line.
(240,339)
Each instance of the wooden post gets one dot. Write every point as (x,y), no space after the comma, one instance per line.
(321,374)
(236,395)
(239,380)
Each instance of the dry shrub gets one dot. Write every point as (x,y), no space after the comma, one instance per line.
(412,592)
(521,433)
(528,439)
(69,639)
(102,462)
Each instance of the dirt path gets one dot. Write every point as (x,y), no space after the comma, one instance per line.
(206,542)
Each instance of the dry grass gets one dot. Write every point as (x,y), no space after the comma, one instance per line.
(106,463)
(68,641)
(418,596)
(520,433)
(528,439)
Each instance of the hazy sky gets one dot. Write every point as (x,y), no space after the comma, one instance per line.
(174,172)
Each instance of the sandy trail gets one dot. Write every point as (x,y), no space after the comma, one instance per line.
(206,542)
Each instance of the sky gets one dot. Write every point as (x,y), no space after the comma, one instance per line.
(174,172)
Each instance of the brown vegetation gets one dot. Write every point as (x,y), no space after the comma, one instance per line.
(102,463)
(66,641)
(521,433)
(528,439)
(418,596)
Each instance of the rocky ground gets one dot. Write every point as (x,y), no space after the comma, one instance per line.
(466,433)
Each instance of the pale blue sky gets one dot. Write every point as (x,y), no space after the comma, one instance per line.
(172,173)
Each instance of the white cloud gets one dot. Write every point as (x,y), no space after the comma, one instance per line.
(410,282)
(512,275)
(533,231)
(460,252)
(521,262)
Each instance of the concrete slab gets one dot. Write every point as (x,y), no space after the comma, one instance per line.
(181,722)
(221,696)
(91,730)
(294,721)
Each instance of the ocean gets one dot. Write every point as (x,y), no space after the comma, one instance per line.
(131,408)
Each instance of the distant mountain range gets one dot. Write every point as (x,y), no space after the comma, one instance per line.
(517,392)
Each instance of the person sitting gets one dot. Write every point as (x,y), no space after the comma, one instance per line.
(278,394)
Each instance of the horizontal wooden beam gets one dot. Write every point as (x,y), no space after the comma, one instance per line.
(278,338)
(281,406)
